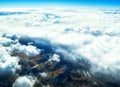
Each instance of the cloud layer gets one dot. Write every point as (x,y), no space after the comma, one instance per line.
(76,34)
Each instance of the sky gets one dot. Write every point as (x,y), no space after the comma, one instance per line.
(39,3)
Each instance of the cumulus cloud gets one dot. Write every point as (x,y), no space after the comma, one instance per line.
(8,64)
(27,50)
(24,81)
(44,74)
(5,41)
(55,58)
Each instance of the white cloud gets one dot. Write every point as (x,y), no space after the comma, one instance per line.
(5,41)
(27,50)
(24,81)
(55,58)
(44,74)
(8,64)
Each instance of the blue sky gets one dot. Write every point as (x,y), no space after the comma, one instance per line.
(39,3)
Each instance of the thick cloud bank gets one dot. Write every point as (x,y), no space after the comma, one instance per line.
(92,35)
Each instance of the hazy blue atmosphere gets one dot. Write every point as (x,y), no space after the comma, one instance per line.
(39,3)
